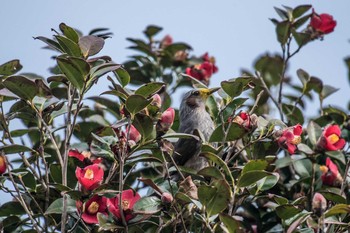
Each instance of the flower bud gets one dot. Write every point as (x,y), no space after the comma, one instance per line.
(134,134)
(319,204)
(167,119)
(167,198)
(166,41)
(156,101)
(3,164)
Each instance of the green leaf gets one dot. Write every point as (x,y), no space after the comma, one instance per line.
(287,211)
(314,132)
(231,224)
(235,132)
(51,43)
(101,146)
(10,67)
(21,86)
(305,149)
(282,13)
(302,38)
(144,125)
(56,207)
(334,197)
(300,10)
(215,197)
(75,69)
(102,69)
(69,46)
(147,205)
(26,176)
(294,114)
(327,90)
(338,209)
(91,45)
(152,30)
(255,165)
(315,84)
(303,76)
(213,172)
(11,208)
(149,89)
(136,103)
(15,148)
(251,177)
(69,32)
(267,182)
(122,76)
(283,31)
(338,155)
(303,167)
(236,86)
(217,160)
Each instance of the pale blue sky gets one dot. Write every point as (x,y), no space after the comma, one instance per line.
(235,32)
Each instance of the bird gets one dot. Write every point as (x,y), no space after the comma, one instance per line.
(194,119)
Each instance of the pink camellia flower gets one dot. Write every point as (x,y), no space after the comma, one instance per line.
(290,138)
(128,200)
(96,204)
(166,41)
(167,198)
(330,139)
(3,165)
(134,134)
(167,119)
(323,23)
(90,177)
(331,175)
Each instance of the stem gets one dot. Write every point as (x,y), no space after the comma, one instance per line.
(344,183)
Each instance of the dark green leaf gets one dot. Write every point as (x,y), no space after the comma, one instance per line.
(327,91)
(152,30)
(303,167)
(338,209)
(236,86)
(56,207)
(334,197)
(10,67)
(215,197)
(21,86)
(11,208)
(149,89)
(314,131)
(270,68)
(283,31)
(282,13)
(294,114)
(213,172)
(235,132)
(303,76)
(251,177)
(300,10)
(147,205)
(75,69)
(101,146)
(231,224)
(144,125)
(305,149)
(69,46)
(287,211)
(255,165)
(302,38)
(268,182)
(338,155)
(69,32)
(122,76)
(135,103)
(315,84)
(15,148)
(26,176)
(51,43)
(91,45)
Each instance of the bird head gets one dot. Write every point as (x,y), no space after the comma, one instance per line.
(197,98)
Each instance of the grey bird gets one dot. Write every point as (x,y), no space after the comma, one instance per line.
(194,119)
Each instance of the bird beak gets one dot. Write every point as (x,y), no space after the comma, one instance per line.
(212,90)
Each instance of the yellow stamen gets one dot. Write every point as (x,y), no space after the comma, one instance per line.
(333,138)
(87,154)
(324,169)
(125,204)
(296,140)
(93,208)
(89,174)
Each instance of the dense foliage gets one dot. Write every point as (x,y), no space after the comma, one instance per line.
(76,162)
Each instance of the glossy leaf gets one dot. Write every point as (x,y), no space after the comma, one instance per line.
(11,208)
(56,207)
(212,172)
(135,103)
(149,89)
(287,211)
(122,76)
(300,10)
(251,177)
(15,148)
(51,43)
(254,165)
(314,132)
(91,45)
(236,86)
(147,205)
(69,32)
(144,125)
(338,209)
(10,67)
(231,224)
(235,132)
(69,46)
(21,86)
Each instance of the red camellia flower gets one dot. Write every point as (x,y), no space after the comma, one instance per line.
(94,205)
(84,157)
(323,23)
(90,177)
(3,165)
(290,138)
(207,58)
(331,175)
(330,139)
(167,119)
(128,200)
(243,119)
(202,72)
(134,134)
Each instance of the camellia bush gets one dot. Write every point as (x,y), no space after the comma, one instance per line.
(73,161)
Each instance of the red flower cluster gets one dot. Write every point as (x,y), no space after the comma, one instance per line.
(331,139)
(203,71)
(290,138)
(3,164)
(323,23)
(128,200)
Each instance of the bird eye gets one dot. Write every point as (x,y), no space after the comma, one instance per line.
(196,93)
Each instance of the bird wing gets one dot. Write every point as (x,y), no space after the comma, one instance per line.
(186,148)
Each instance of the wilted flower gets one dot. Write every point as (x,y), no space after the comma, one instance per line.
(330,139)
(246,120)
(319,204)
(331,175)
(167,119)
(90,177)
(290,138)
(96,204)
(166,41)
(3,165)
(323,23)
(128,200)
